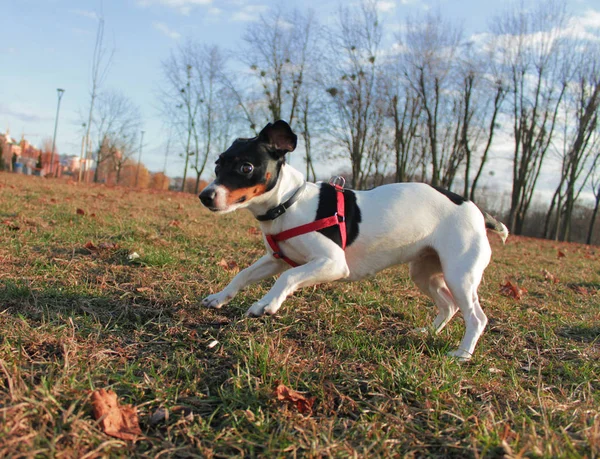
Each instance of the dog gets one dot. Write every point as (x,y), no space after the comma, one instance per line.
(441,235)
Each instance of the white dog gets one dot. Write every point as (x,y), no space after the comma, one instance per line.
(318,232)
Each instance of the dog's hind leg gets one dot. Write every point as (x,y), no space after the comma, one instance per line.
(426,273)
(463,284)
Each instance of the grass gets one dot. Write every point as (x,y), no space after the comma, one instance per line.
(77,317)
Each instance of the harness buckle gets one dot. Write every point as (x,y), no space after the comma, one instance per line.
(337,181)
(341,218)
(278,255)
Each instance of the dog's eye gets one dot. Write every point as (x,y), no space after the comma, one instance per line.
(246,168)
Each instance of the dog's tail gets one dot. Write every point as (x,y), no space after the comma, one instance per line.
(494,225)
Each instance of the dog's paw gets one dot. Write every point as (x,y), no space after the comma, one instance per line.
(460,355)
(261,308)
(216,300)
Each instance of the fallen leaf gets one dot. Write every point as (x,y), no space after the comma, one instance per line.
(253,230)
(175,223)
(108,246)
(549,276)
(580,289)
(90,246)
(11,225)
(120,421)
(227,265)
(560,254)
(80,211)
(160,415)
(102,246)
(512,290)
(303,405)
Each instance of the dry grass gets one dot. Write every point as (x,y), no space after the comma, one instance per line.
(75,317)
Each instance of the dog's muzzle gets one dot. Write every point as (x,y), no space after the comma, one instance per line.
(208,198)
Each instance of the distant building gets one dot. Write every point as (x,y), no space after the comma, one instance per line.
(9,147)
(25,158)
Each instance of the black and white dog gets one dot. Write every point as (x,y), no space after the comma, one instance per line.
(441,235)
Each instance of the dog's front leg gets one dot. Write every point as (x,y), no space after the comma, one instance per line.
(314,272)
(264,267)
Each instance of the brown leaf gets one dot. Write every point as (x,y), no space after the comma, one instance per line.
(227,265)
(11,225)
(560,254)
(512,290)
(102,246)
(580,289)
(120,421)
(303,405)
(549,276)
(253,230)
(80,211)
(90,246)
(175,223)
(108,246)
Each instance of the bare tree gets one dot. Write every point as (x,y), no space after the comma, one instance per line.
(101,60)
(117,122)
(531,51)
(595,185)
(179,98)
(278,51)
(215,113)
(430,46)
(305,110)
(352,79)
(580,140)
(405,114)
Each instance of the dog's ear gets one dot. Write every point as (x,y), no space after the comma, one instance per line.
(280,136)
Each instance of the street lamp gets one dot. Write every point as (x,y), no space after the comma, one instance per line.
(60,93)
(137,174)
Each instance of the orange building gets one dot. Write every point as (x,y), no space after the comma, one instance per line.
(24,157)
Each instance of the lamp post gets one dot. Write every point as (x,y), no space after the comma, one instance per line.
(137,174)
(60,93)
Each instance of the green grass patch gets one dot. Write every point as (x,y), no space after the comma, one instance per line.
(78,313)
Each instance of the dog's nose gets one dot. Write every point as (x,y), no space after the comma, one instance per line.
(208,196)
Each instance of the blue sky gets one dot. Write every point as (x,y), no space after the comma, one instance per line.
(47,44)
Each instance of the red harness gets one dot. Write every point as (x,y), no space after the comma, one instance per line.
(337,219)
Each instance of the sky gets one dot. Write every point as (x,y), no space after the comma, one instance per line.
(48,44)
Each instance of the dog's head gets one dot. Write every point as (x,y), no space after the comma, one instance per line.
(249,168)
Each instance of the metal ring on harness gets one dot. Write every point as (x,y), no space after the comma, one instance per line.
(338,180)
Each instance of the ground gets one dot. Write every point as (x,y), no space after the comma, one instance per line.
(80,311)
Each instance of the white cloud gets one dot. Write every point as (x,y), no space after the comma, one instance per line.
(249,13)
(591,19)
(385,6)
(183,6)
(165,30)
(24,112)
(86,14)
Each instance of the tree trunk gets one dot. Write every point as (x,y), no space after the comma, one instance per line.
(593,220)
